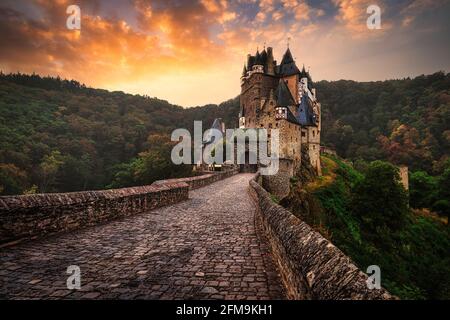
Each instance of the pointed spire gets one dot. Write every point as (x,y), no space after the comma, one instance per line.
(287,57)
(264,56)
(258,58)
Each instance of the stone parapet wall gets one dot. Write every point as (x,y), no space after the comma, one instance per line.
(32,216)
(311,267)
(277,184)
(200,181)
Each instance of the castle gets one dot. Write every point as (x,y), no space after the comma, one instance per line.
(280,96)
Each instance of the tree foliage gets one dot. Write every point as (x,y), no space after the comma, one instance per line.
(402,121)
(99,133)
(360,216)
(60,136)
(379,200)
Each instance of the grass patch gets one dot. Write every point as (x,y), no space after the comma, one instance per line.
(274,198)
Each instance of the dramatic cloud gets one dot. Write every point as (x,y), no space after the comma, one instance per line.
(192,52)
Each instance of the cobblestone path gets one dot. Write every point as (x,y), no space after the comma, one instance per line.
(203,248)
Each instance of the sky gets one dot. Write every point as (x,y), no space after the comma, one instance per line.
(193,52)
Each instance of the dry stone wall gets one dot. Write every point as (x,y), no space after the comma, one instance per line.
(311,267)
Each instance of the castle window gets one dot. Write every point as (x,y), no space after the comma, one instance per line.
(276,124)
(270,125)
(303,134)
(314,133)
(314,147)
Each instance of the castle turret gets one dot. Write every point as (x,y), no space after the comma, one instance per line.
(270,63)
(250,61)
(258,66)
(244,74)
(264,58)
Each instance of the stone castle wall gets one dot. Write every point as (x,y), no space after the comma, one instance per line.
(32,216)
(311,267)
(256,88)
(279,183)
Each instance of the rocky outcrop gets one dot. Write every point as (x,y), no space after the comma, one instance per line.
(311,267)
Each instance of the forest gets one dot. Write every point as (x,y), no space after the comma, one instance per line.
(58,135)
(409,245)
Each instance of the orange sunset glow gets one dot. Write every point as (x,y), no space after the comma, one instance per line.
(192,52)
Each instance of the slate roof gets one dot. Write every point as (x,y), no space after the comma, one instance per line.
(250,62)
(217,124)
(305,74)
(287,66)
(283,95)
(291,118)
(264,56)
(306,115)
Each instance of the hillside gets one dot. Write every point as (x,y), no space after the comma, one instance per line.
(404,121)
(58,135)
(411,248)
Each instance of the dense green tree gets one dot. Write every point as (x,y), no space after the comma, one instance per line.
(49,169)
(379,201)
(422,189)
(413,254)
(153,164)
(12,179)
(442,205)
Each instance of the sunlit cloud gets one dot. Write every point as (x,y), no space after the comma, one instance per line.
(192,52)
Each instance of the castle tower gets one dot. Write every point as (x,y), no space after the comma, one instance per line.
(282,97)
